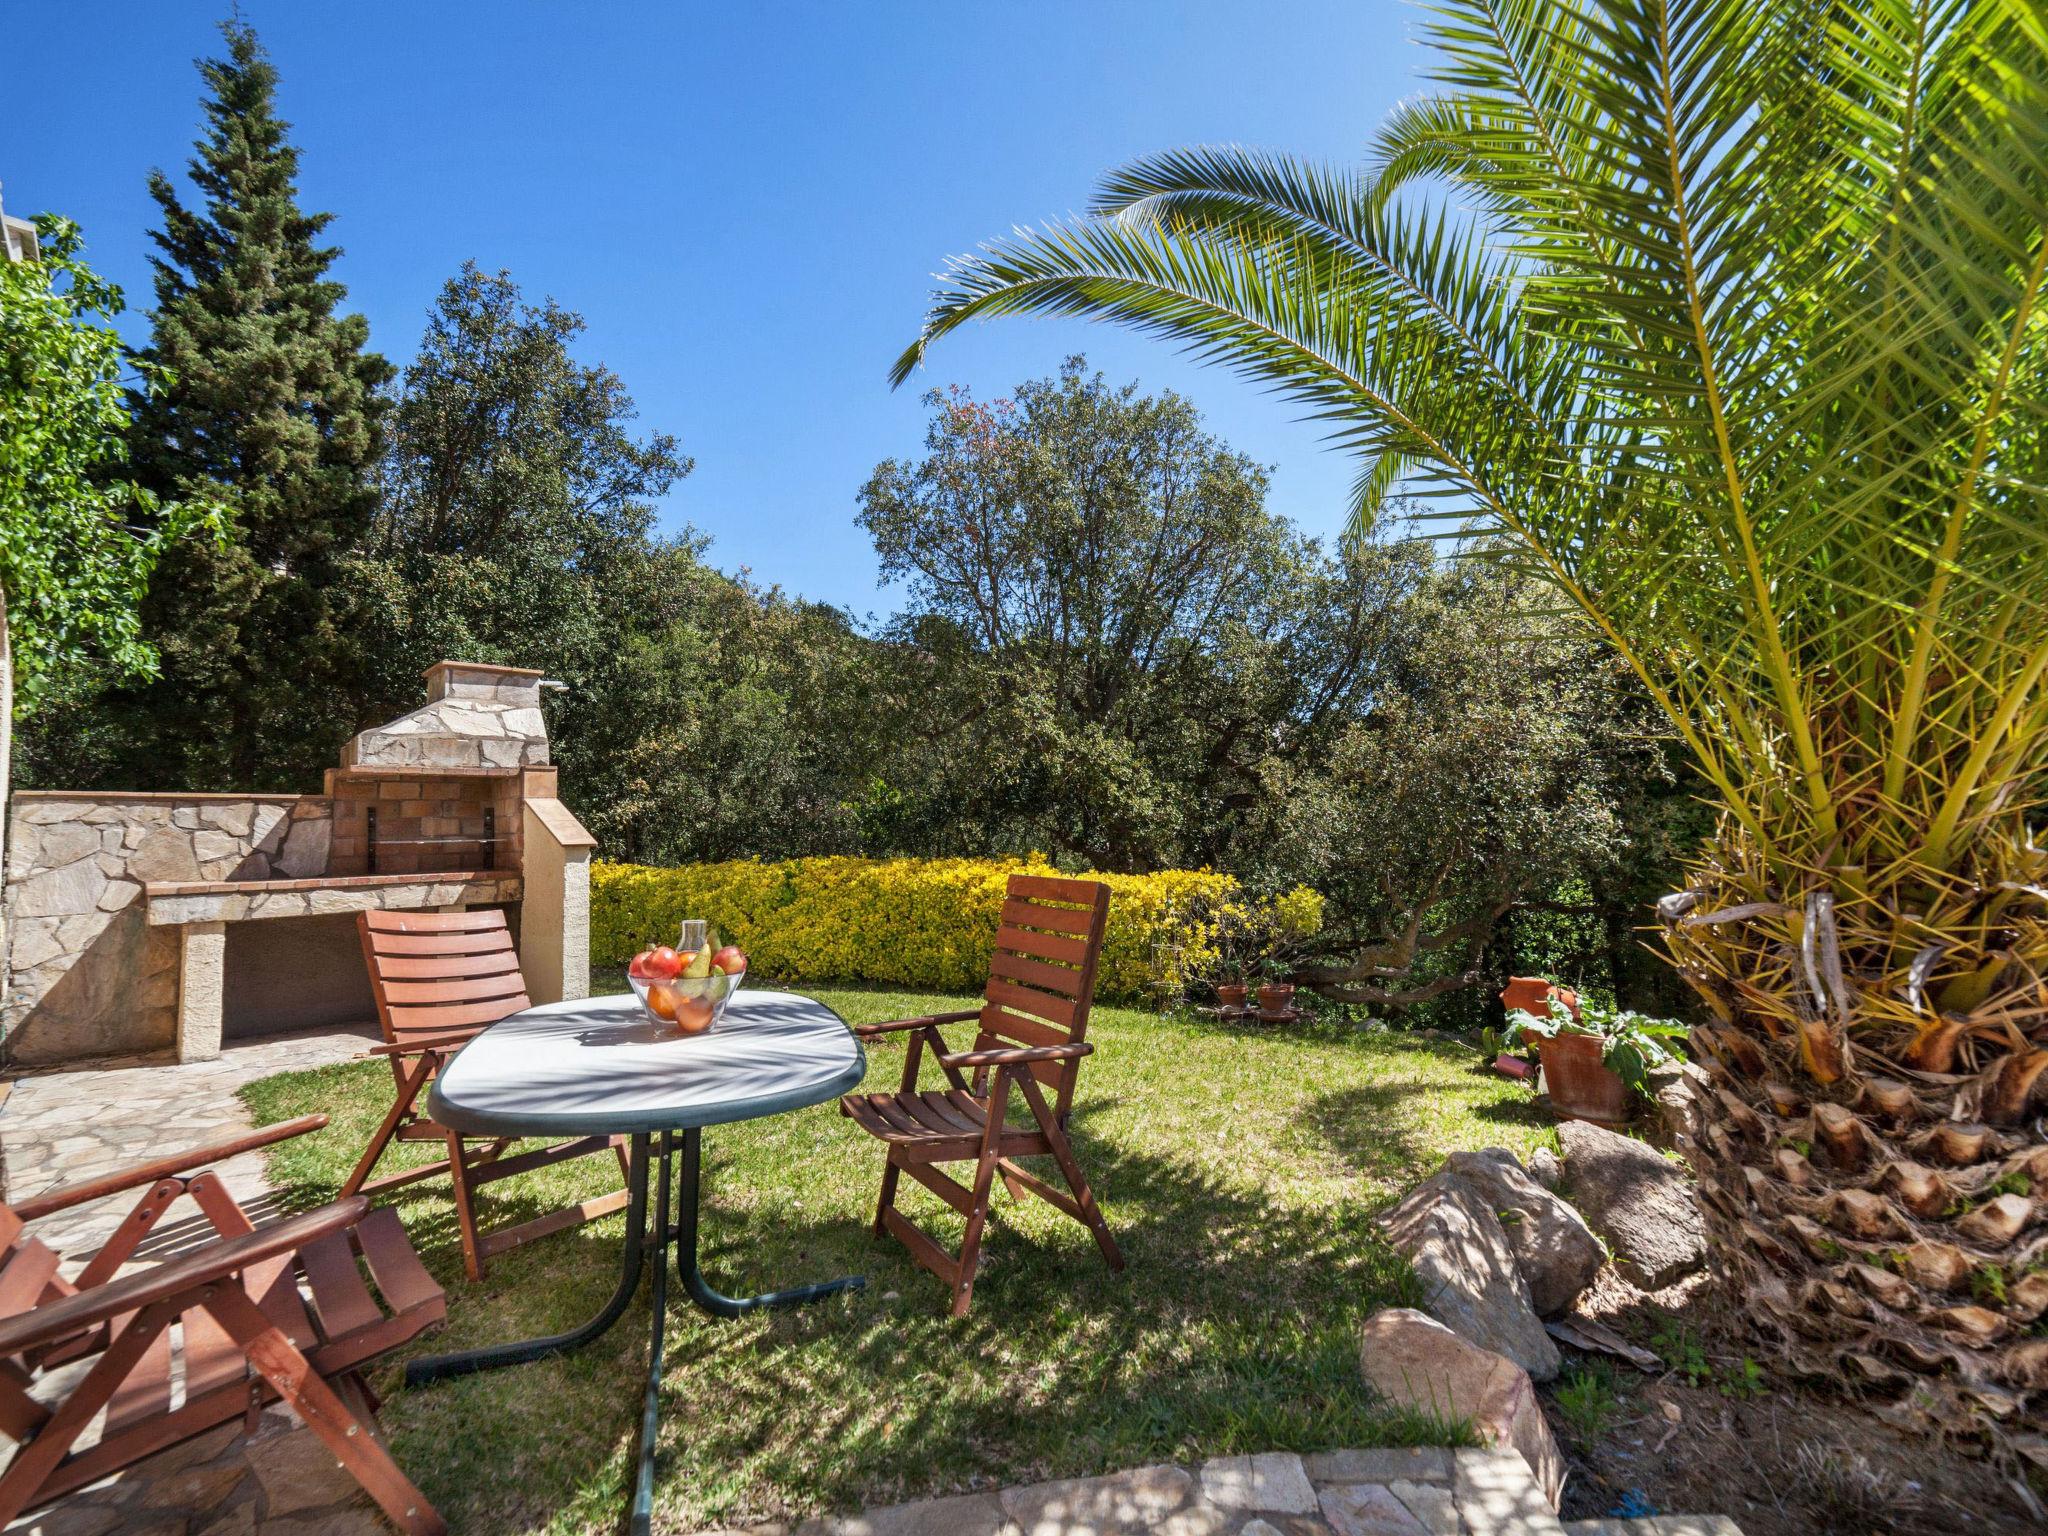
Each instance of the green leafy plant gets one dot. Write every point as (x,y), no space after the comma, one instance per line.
(1631,1044)
(1587,1400)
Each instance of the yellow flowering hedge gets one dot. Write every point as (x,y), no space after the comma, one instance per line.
(926,923)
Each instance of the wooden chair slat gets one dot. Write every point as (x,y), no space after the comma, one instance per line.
(341,1301)
(932,1111)
(455,989)
(433,922)
(1060,888)
(439,1018)
(1062,979)
(495,962)
(1005,1025)
(401,1277)
(275,1285)
(212,1359)
(1029,914)
(146,1390)
(437,943)
(1060,1012)
(10,1227)
(884,1107)
(1043,946)
(30,1268)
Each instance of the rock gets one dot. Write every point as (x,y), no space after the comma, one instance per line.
(1413,1360)
(1367,1509)
(1156,1498)
(1415,1464)
(971,1514)
(1639,1201)
(1468,1271)
(165,854)
(1494,1494)
(59,892)
(1554,1249)
(1433,1507)
(1272,1482)
(1545,1169)
(297,1473)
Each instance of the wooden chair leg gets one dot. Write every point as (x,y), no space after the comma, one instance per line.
(465,1209)
(890,1173)
(354,1444)
(977,1211)
(401,1106)
(1063,1154)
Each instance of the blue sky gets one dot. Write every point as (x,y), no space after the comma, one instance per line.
(746,201)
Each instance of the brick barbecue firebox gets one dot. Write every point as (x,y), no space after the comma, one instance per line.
(160,923)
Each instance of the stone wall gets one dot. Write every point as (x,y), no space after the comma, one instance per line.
(76,865)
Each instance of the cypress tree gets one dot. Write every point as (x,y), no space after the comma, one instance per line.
(273,409)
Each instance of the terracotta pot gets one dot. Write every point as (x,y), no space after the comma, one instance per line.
(1532,994)
(1276,996)
(1230,994)
(1579,1083)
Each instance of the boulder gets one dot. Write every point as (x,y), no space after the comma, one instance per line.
(1415,1361)
(1554,1249)
(1468,1271)
(1545,1169)
(1637,1199)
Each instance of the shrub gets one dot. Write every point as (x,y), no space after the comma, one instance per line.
(907,922)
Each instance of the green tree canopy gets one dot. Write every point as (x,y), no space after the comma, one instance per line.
(271,406)
(77,540)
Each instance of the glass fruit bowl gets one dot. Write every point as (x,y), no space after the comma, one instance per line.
(688,1005)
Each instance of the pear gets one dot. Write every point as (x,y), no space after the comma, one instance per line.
(700,964)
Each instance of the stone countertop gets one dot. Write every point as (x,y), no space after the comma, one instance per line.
(173,903)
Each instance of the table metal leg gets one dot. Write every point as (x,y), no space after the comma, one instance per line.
(642,1516)
(700,1291)
(469,1361)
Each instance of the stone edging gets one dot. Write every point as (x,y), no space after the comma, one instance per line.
(1419,1492)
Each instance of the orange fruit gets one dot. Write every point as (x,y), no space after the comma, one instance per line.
(662,1001)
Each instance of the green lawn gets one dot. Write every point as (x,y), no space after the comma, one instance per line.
(1238,1171)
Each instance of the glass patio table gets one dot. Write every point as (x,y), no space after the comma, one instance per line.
(597,1067)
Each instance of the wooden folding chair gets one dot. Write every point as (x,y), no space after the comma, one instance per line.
(440,979)
(1034,1026)
(225,1320)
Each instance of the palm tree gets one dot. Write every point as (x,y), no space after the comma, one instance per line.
(1728,321)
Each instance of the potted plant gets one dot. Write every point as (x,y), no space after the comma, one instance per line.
(1594,1057)
(1276,993)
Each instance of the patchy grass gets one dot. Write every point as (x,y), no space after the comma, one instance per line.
(1238,1170)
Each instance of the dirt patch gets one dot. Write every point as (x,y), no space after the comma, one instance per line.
(1716,1433)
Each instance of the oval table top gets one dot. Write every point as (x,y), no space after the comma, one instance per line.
(595,1066)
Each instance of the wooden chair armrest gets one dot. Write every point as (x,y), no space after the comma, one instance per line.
(421,1047)
(217,1261)
(163,1167)
(928,1021)
(1010,1056)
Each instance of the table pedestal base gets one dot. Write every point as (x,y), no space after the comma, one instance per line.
(642,1238)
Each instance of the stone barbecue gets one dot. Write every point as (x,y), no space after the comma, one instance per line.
(143,924)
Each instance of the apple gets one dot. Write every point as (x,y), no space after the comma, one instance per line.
(662,964)
(637,967)
(731,960)
(663,1001)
